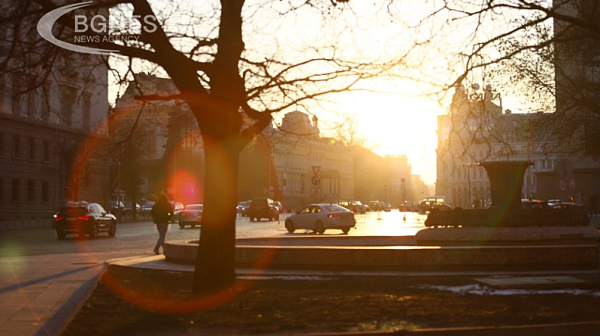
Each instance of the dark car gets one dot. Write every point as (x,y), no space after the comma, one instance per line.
(533,204)
(116,207)
(128,209)
(83,218)
(263,208)
(242,208)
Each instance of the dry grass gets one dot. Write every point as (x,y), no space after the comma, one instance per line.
(135,302)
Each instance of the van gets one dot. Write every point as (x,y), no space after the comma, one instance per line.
(263,208)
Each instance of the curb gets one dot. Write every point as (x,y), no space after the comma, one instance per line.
(73,305)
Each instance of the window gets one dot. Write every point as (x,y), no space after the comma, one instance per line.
(87,178)
(31,149)
(15,190)
(31,98)
(67,102)
(46,151)
(45,191)
(16,146)
(592,70)
(45,106)
(17,97)
(30,191)
(2,94)
(87,110)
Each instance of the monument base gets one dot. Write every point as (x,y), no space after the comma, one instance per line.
(474,236)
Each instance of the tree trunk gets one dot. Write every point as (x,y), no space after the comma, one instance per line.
(215,263)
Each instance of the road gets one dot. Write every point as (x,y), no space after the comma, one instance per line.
(139,238)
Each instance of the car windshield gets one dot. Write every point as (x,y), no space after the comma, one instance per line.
(336,208)
(194,207)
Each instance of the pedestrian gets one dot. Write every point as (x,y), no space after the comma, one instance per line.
(162,212)
(593,205)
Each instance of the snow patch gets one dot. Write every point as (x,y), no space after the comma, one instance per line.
(483,290)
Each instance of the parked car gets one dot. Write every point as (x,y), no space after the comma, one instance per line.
(191,215)
(563,205)
(279,207)
(433,202)
(554,202)
(146,208)
(533,203)
(83,218)
(128,209)
(376,205)
(321,217)
(177,207)
(116,207)
(263,208)
(409,206)
(387,207)
(242,208)
(354,206)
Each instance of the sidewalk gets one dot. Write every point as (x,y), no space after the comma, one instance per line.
(39,295)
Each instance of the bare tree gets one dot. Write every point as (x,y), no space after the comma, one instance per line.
(231,90)
(542,52)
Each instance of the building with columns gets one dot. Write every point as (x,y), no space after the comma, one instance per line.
(304,166)
(477,130)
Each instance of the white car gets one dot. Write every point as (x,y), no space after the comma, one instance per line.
(320,217)
(191,215)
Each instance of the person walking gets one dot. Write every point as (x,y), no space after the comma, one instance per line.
(162,212)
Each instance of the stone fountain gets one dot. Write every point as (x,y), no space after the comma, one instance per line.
(506,221)
(504,237)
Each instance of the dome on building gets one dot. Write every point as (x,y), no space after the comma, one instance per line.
(299,123)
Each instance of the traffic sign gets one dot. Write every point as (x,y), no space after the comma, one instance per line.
(316,170)
(316,181)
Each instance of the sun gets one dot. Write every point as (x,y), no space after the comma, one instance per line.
(397,124)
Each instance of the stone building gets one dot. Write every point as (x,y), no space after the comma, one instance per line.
(577,78)
(477,130)
(159,142)
(301,165)
(51,131)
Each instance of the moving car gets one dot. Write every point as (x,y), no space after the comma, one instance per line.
(355,206)
(433,202)
(191,215)
(83,218)
(409,206)
(533,203)
(320,217)
(242,208)
(263,208)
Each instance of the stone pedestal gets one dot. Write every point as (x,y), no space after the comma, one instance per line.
(474,236)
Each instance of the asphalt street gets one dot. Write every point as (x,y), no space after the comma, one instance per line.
(139,238)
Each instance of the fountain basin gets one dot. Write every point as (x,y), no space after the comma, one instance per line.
(384,254)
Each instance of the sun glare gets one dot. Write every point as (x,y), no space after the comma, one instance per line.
(397,124)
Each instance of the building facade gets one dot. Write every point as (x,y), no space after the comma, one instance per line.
(51,132)
(305,166)
(477,130)
(577,78)
(159,144)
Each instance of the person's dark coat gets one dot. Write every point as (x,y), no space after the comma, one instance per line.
(162,211)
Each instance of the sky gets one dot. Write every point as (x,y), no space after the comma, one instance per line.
(394,114)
